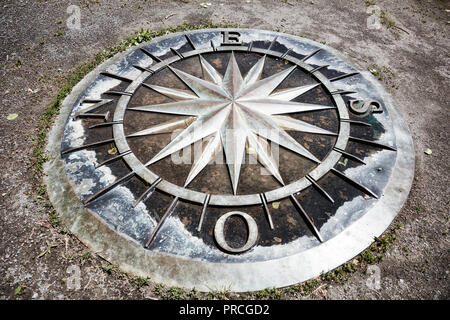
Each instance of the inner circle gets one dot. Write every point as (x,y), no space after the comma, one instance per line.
(247,184)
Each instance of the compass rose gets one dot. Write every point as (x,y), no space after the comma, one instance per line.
(231,111)
(235,95)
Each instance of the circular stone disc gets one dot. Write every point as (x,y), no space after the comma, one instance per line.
(229,159)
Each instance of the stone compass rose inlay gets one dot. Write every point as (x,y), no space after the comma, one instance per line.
(294,157)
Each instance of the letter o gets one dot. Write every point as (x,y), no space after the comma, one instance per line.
(252,232)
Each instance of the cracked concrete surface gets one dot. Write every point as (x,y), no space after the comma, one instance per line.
(37,50)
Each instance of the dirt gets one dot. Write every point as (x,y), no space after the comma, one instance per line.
(38,49)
